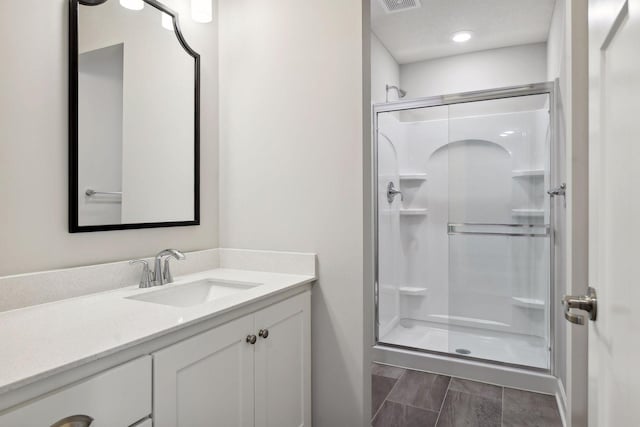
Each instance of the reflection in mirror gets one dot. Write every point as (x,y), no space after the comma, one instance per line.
(137,119)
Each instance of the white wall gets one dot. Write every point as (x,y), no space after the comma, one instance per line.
(489,69)
(34,148)
(556,61)
(291,117)
(384,71)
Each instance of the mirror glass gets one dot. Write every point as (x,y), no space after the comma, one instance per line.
(134,158)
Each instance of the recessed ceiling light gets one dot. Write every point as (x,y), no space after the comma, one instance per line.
(509,132)
(504,134)
(461,36)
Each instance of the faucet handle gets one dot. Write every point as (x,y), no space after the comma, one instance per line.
(146,280)
(166,272)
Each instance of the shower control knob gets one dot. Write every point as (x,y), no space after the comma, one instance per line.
(251,339)
(264,333)
(392,192)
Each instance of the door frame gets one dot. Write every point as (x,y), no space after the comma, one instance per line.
(576,100)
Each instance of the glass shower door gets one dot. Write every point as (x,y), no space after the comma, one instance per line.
(498,231)
(406,141)
(463,235)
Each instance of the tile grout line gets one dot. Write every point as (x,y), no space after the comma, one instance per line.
(408,405)
(502,408)
(385,398)
(443,400)
(476,394)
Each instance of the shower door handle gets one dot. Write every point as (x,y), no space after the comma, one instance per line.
(588,303)
(558,191)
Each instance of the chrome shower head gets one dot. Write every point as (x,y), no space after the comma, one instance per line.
(401,93)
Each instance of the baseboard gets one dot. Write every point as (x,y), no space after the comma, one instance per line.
(561,399)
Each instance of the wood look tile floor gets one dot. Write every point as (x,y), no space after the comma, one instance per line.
(406,398)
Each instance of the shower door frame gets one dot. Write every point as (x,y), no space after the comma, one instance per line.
(543,88)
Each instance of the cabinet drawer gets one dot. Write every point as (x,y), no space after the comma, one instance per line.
(118,397)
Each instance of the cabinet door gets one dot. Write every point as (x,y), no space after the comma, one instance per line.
(282,364)
(206,380)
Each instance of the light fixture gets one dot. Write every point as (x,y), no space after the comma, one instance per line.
(167,21)
(132,4)
(504,134)
(461,36)
(201,11)
(508,132)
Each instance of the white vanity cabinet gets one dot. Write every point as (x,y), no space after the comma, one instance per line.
(252,371)
(118,397)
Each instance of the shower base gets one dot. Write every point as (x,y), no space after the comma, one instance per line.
(503,347)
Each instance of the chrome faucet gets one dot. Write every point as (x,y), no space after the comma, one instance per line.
(159,276)
(163,276)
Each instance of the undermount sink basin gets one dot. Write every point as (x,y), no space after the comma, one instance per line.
(194,293)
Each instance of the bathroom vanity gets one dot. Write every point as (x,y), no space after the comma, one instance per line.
(227,346)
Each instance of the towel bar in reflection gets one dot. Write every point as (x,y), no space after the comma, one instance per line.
(89,192)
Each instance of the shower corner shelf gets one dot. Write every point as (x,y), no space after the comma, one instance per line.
(517,173)
(407,176)
(412,291)
(528,303)
(527,212)
(414,212)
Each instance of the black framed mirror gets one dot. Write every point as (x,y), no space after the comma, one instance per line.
(134,118)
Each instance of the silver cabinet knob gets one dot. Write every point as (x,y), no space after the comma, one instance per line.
(264,333)
(251,339)
(74,421)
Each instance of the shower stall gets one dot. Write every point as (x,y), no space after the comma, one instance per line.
(464,228)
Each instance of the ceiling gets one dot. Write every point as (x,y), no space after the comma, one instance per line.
(425,33)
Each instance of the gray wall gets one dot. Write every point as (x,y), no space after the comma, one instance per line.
(487,69)
(33,148)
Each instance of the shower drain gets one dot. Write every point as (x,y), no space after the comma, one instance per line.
(463,351)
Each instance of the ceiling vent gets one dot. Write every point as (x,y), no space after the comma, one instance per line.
(392,6)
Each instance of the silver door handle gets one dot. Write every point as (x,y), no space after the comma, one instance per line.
(558,191)
(588,303)
(392,192)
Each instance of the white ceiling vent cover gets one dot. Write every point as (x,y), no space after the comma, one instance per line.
(391,6)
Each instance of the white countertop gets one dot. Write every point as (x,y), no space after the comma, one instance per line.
(46,339)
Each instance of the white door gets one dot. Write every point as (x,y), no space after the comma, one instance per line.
(282,369)
(206,380)
(614,191)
